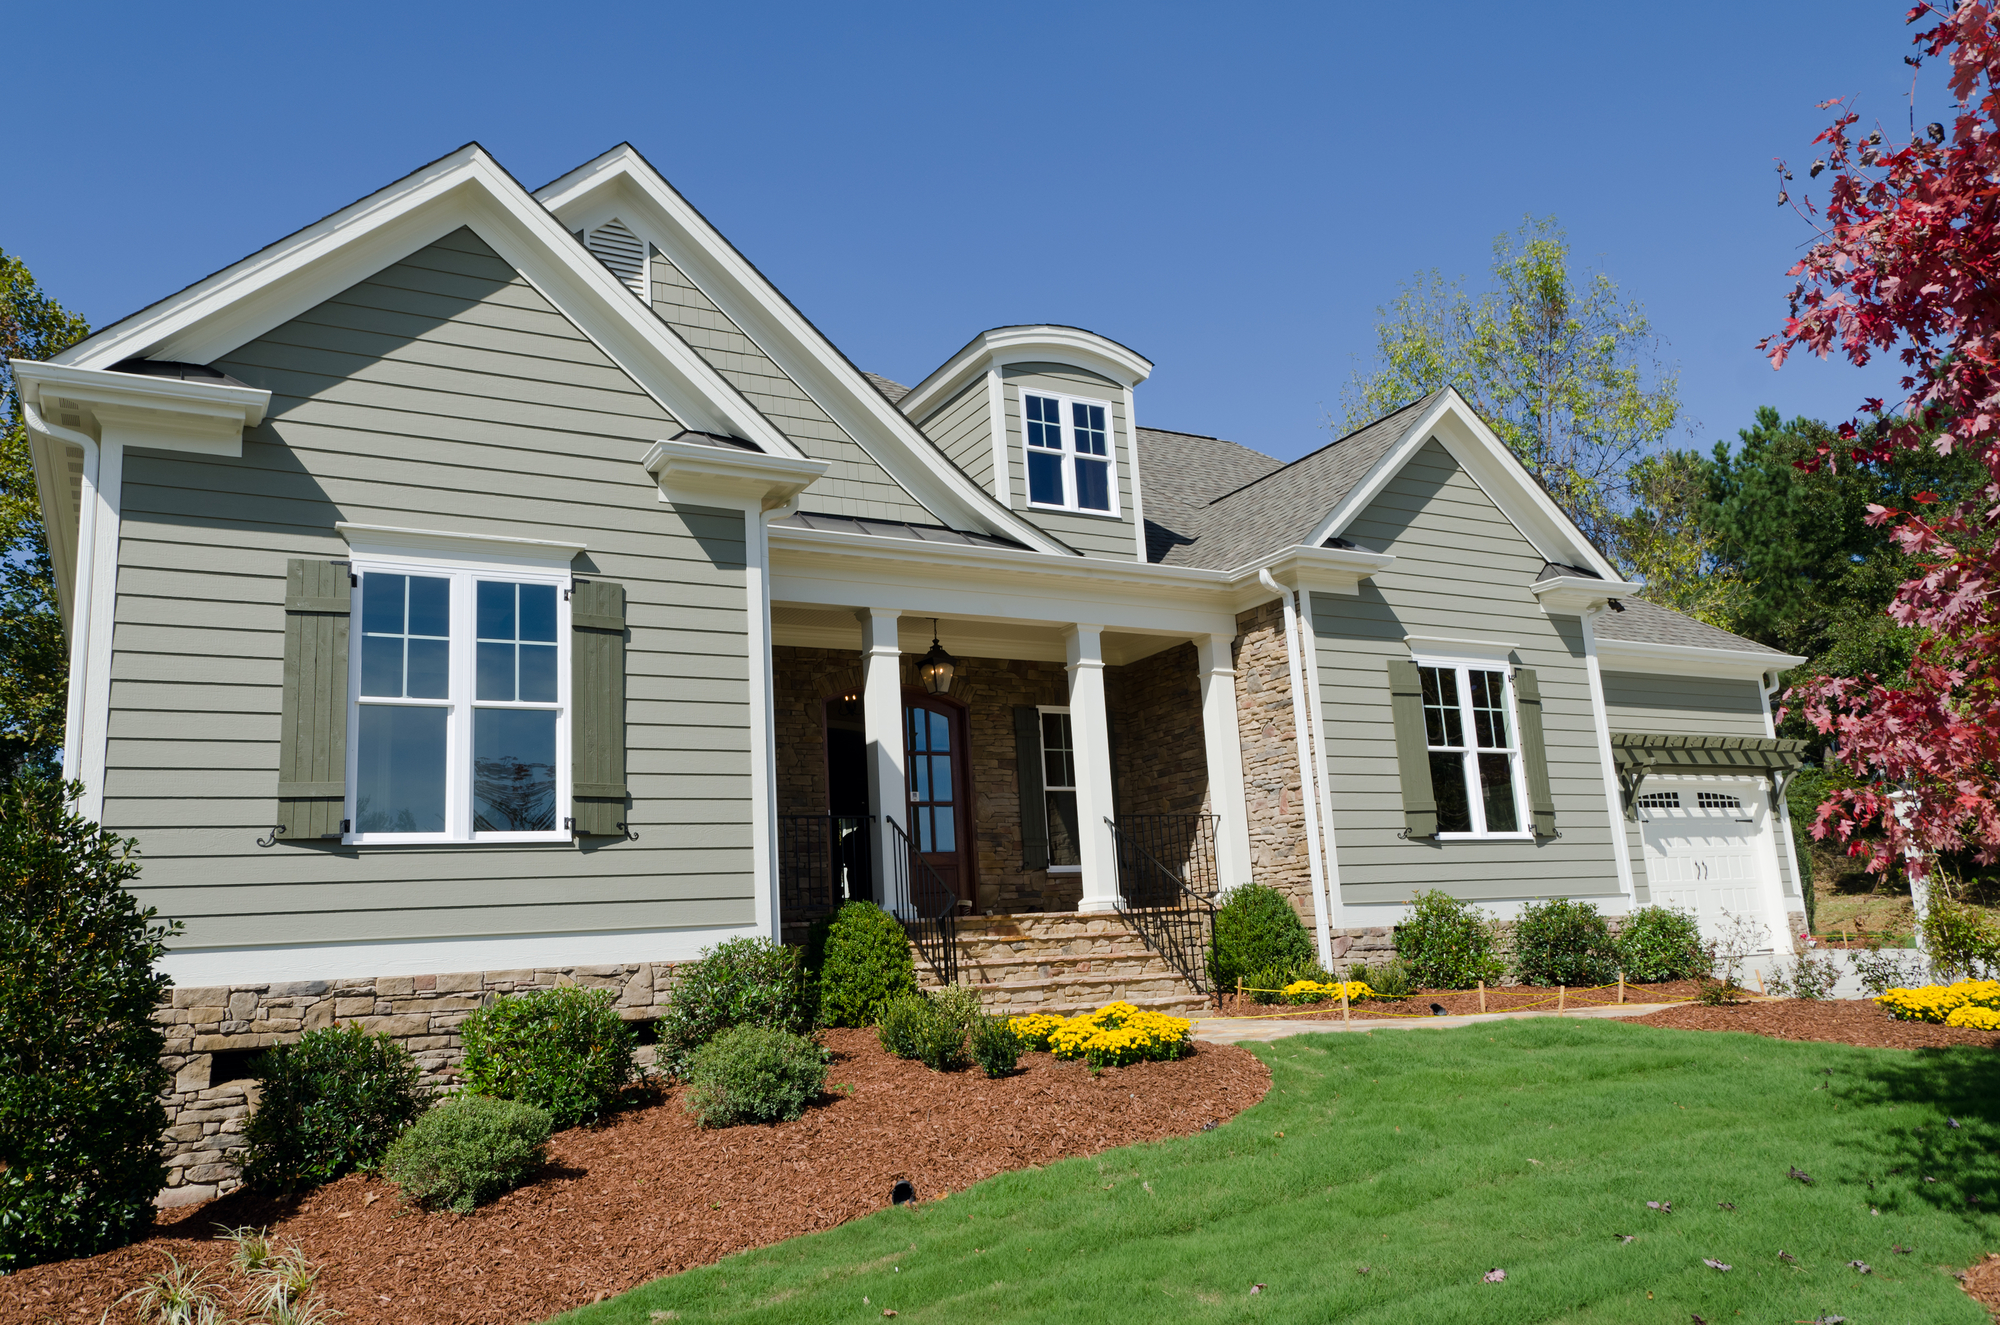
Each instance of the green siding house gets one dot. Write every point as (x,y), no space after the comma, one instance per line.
(481,588)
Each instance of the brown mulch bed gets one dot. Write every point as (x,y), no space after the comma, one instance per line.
(650,1193)
(1458,1002)
(1982,1282)
(1834,1020)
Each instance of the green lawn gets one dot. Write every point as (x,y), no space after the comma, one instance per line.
(1430,1157)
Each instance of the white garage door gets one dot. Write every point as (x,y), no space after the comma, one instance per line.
(1702,854)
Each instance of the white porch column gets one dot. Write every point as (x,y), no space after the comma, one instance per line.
(1225,761)
(1090,728)
(882,724)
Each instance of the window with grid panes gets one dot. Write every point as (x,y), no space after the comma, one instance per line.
(1475,757)
(1059,786)
(1069,458)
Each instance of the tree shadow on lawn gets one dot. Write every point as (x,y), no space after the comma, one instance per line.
(1955,1169)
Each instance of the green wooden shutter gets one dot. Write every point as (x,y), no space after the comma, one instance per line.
(1413,761)
(1034,792)
(597,698)
(1535,750)
(312,743)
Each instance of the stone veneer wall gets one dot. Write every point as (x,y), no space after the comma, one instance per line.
(1269,738)
(204,1143)
(803,679)
(1161,759)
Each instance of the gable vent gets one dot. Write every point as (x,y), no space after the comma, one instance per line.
(624,252)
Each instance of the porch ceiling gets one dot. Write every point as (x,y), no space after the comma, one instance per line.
(812,627)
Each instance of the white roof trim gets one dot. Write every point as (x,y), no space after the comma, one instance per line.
(690,471)
(365,539)
(622,183)
(136,410)
(1579,593)
(1452,646)
(1490,465)
(1689,659)
(467,188)
(1027,344)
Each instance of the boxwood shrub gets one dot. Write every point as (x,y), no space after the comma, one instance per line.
(863,960)
(1659,943)
(1560,942)
(754,1074)
(467,1151)
(1446,943)
(1256,930)
(80,1072)
(331,1103)
(563,1050)
(743,982)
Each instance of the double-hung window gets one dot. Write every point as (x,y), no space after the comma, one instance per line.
(1475,753)
(1059,786)
(1069,455)
(458,726)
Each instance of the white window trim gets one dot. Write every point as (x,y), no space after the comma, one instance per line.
(1462,664)
(1064,402)
(463,572)
(1041,752)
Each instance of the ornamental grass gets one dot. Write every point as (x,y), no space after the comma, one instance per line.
(1977,1000)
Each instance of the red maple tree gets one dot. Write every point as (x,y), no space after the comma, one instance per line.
(1906,260)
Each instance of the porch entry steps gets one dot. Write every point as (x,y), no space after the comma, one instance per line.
(1063,963)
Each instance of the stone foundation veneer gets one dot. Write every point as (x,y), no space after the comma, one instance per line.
(203,1142)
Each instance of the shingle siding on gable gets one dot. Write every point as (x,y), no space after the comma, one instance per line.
(961,429)
(855,485)
(1092,535)
(444,393)
(1462,570)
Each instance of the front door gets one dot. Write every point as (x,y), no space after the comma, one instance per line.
(940,799)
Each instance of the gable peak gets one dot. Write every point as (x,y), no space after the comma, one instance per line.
(614,245)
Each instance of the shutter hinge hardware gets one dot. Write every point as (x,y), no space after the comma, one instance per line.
(272,840)
(569,825)
(630,835)
(346,827)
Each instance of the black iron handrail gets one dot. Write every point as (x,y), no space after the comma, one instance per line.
(823,860)
(1169,907)
(933,919)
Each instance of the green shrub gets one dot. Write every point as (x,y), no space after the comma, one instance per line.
(1390,979)
(80,1072)
(1659,943)
(931,1027)
(864,961)
(743,982)
(1560,942)
(995,1046)
(331,1103)
(564,1050)
(1446,943)
(1255,930)
(755,1074)
(1962,942)
(467,1151)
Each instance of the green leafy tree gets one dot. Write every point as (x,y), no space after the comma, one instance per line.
(34,666)
(1557,363)
(80,1071)
(1665,539)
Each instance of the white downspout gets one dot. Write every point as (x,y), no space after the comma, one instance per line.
(1614,800)
(1329,847)
(80,591)
(1308,784)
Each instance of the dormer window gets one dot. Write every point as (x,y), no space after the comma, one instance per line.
(1070,463)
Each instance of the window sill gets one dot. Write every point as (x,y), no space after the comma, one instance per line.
(1063,869)
(1112,516)
(1485,837)
(435,840)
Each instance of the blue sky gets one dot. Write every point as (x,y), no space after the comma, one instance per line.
(1231,190)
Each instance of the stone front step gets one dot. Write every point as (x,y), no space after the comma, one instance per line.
(1064,964)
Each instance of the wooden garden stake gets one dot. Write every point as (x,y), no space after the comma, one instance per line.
(1482,996)
(1621,986)
(1562,992)
(1760,982)
(1345,1018)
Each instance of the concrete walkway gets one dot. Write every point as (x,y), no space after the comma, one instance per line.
(1234,1030)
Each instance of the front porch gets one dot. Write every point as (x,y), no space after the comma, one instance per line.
(1063,772)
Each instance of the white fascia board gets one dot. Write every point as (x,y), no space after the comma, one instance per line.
(692,472)
(1334,570)
(622,183)
(395,541)
(1689,659)
(1027,344)
(1490,465)
(1576,595)
(467,188)
(129,408)
(826,568)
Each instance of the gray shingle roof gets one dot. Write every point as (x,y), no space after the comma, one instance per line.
(1648,623)
(1265,513)
(895,391)
(923,533)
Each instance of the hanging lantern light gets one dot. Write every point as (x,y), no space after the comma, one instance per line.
(938,667)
